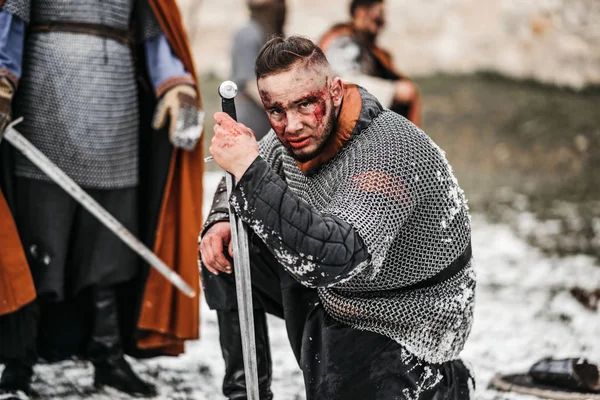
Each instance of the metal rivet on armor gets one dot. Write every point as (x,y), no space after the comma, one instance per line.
(33,250)
(46,260)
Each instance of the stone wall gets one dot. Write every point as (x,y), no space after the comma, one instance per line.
(551,41)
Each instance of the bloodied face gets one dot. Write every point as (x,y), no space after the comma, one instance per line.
(302,105)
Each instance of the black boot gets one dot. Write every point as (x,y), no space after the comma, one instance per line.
(18,347)
(234,383)
(17,376)
(106,352)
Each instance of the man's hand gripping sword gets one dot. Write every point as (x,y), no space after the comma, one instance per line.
(73,189)
(241,261)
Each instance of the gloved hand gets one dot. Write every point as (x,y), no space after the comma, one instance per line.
(180,105)
(6,94)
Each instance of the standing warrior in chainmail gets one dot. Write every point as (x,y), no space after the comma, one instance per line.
(354,54)
(86,76)
(360,237)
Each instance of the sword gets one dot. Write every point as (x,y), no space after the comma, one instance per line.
(241,260)
(75,191)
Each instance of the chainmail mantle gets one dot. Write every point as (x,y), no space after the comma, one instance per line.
(394,185)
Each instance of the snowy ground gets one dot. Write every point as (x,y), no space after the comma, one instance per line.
(524,312)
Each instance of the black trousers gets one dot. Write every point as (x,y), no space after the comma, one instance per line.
(337,361)
(69,252)
(67,248)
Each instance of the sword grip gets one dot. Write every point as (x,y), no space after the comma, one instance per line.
(228,106)
(227,91)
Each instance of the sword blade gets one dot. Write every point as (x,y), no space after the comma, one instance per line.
(241,261)
(243,290)
(73,189)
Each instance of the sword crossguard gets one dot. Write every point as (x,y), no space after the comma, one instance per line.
(10,126)
(15,122)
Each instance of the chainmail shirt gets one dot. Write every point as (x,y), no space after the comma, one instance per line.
(393,185)
(78,92)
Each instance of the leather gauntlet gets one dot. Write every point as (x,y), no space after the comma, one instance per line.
(180,105)
(6,94)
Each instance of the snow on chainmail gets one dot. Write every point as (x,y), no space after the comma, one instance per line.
(78,93)
(394,185)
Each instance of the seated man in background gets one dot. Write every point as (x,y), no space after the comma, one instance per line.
(360,239)
(267,18)
(354,56)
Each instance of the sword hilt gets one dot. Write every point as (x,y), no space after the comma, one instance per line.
(228,90)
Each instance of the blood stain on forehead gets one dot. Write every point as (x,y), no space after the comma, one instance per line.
(265,96)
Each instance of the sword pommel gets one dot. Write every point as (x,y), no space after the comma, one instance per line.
(228,90)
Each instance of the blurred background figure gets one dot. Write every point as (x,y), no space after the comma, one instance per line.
(354,55)
(267,18)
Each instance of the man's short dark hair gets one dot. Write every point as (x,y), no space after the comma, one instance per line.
(362,3)
(279,55)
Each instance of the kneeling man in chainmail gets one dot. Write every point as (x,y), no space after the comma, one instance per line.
(360,239)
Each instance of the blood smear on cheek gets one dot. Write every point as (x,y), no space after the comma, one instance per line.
(320,111)
(278,126)
(319,97)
